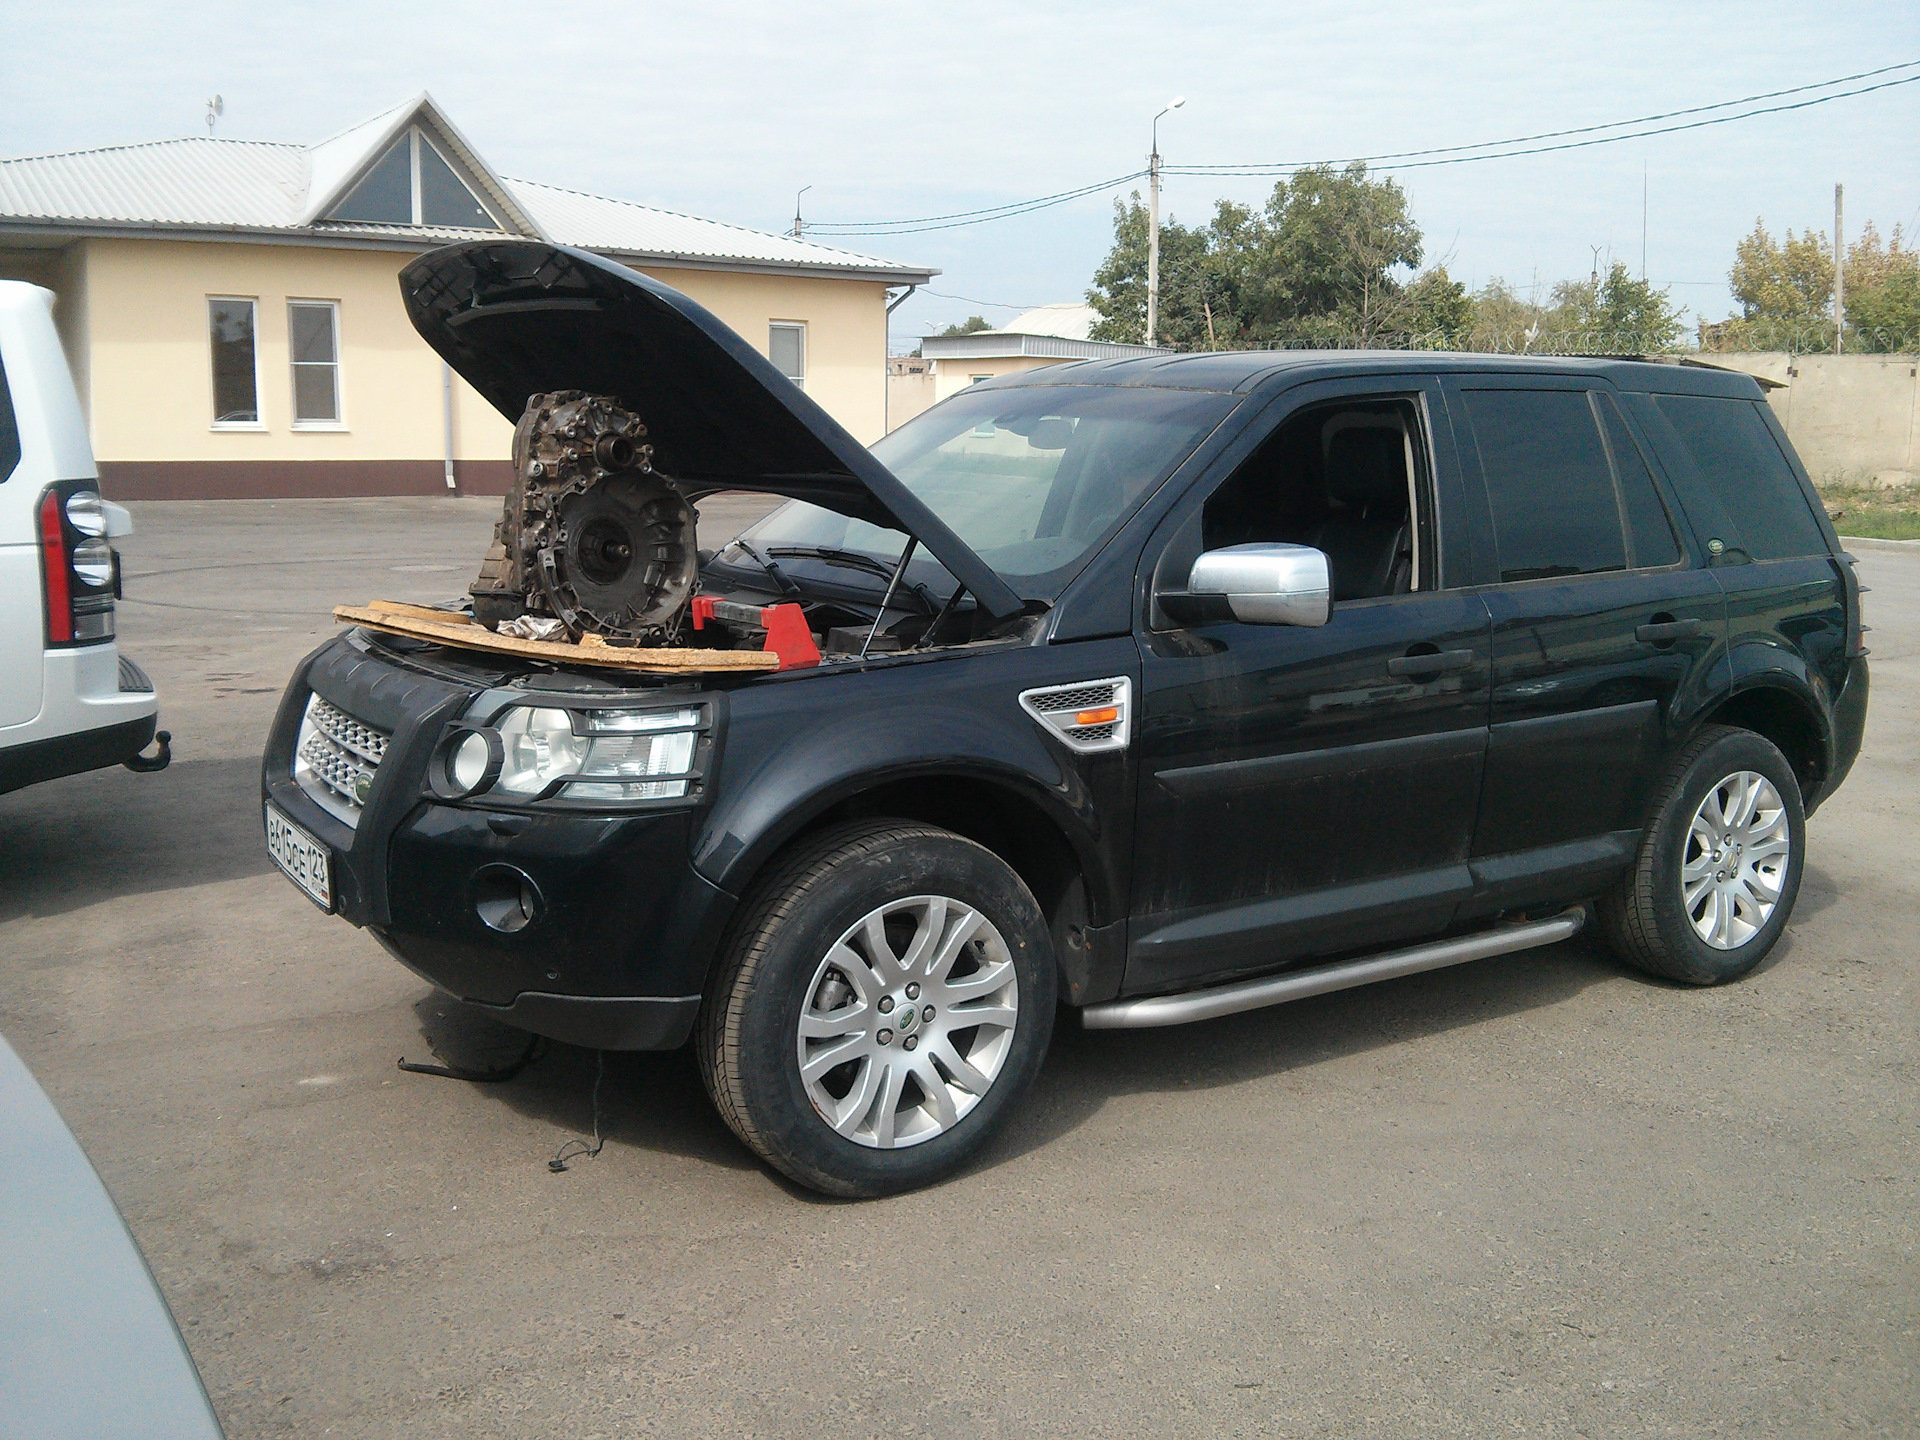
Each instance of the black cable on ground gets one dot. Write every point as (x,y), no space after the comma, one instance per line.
(479,1077)
(561,1156)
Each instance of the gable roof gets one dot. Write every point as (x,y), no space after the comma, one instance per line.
(335,166)
(206,188)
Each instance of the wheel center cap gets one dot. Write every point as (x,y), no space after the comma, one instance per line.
(906,1019)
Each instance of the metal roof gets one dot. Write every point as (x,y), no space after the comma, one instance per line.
(1005,344)
(205,187)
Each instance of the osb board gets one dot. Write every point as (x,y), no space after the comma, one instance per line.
(418,622)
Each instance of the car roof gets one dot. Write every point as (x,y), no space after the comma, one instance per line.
(1246,370)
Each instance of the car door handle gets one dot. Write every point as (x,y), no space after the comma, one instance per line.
(1434,662)
(1661,632)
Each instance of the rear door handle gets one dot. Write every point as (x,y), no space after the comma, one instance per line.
(1434,662)
(1662,632)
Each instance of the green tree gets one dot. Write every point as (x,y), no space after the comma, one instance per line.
(1615,314)
(1785,292)
(1505,321)
(1437,311)
(1319,263)
(1882,293)
(972,325)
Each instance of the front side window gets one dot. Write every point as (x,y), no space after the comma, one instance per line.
(1555,511)
(1034,478)
(236,388)
(1737,460)
(1345,478)
(313,336)
(787,348)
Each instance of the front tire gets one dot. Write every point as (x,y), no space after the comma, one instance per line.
(1718,870)
(886,994)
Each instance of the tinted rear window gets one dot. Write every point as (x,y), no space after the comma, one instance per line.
(1548,483)
(1736,459)
(1649,531)
(9,429)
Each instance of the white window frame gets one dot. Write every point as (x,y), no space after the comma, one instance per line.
(213,387)
(801,326)
(293,370)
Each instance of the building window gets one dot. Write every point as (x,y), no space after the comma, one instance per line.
(313,341)
(976,379)
(236,380)
(787,348)
(414,184)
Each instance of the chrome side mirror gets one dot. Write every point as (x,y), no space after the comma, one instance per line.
(1267,584)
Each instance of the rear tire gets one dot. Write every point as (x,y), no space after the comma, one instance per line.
(1718,870)
(885,995)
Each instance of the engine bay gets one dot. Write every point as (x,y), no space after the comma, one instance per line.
(595,545)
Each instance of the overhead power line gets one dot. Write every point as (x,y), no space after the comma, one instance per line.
(963,217)
(1508,154)
(1510,148)
(1588,129)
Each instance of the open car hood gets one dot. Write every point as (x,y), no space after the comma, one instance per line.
(519,318)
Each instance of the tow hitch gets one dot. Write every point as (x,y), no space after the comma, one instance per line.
(147,764)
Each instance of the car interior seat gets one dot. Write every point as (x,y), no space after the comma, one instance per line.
(1366,538)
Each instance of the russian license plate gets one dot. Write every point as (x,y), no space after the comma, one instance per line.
(308,863)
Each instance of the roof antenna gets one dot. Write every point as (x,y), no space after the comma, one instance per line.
(796,209)
(216,107)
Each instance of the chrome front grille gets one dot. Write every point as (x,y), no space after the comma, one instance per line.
(336,757)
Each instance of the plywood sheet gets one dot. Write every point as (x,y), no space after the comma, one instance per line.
(393,617)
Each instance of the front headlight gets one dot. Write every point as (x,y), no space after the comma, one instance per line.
(586,755)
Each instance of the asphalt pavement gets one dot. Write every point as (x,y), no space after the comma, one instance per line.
(1535,1195)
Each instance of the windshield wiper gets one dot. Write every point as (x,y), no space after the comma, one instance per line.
(854,560)
(779,576)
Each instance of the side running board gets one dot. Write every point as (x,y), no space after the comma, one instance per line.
(1299,984)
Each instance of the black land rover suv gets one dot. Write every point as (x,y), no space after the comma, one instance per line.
(1160,688)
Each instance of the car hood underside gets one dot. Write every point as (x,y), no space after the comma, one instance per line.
(518,318)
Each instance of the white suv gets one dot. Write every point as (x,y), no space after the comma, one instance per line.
(69,701)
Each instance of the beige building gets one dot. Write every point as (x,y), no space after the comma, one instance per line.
(948,364)
(232,314)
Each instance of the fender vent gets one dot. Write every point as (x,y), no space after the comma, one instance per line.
(1089,717)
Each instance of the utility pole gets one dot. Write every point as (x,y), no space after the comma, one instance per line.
(1839,275)
(796,209)
(1153,222)
(1643,222)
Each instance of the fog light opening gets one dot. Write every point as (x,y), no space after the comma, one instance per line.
(505,899)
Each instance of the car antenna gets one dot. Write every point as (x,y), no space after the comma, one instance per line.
(906,554)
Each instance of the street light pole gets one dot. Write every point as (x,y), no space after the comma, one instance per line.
(1153,222)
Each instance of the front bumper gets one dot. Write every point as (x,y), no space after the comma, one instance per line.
(616,945)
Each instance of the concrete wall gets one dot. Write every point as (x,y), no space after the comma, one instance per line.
(1853,418)
(133,314)
(908,393)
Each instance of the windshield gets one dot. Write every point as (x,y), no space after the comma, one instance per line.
(1032,478)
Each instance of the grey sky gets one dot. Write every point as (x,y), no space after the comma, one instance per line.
(890,110)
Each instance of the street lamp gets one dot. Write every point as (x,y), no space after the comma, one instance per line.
(1153,221)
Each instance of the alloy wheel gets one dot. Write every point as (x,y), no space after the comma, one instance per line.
(908,1019)
(1737,850)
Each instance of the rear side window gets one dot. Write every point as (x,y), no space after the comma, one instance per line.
(1555,511)
(9,429)
(1736,459)
(1649,531)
